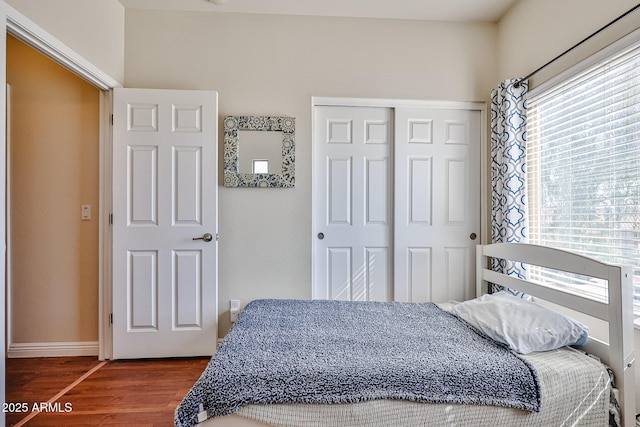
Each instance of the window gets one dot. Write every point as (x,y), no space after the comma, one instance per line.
(583,138)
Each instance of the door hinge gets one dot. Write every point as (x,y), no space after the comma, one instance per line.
(110,219)
(111,318)
(112,120)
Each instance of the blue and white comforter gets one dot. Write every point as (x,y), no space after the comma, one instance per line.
(291,351)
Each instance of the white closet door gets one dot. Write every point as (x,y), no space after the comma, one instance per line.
(165,195)
(353,210)
(437,203)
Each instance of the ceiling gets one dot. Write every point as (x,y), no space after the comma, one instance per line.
(428,10)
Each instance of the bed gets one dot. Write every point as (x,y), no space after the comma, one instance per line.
(452,375)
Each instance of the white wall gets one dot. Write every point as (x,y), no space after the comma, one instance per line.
(94,29)
(273,65)
(535,31)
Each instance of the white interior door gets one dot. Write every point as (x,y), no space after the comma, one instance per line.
(396,203)
(165,196)
(352,203)
(437,203)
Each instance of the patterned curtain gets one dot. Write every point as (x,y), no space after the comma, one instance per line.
(509,218)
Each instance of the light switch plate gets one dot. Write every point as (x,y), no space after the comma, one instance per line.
(86,212)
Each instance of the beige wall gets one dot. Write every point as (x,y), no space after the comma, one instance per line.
(535,31)
(273,65)
(92,28)
(54,140)
(523,46)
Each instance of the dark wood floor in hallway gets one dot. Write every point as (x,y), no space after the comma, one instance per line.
(82,391)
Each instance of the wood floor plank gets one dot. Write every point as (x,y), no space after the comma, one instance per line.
(34,380)
(136,393)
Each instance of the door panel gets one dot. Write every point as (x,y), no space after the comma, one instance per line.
(165,195)
(438,155)
(353,211)
(142,303)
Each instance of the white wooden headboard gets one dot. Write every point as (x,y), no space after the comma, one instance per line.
(618,312)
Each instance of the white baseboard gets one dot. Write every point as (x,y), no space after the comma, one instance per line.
(53,349)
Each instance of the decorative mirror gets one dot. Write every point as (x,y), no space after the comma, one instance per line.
(259,151)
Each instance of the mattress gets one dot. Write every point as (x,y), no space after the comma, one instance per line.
(575,392)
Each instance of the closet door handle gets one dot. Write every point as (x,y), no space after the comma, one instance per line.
(473,236)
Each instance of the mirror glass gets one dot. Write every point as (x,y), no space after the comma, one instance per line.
(261,150)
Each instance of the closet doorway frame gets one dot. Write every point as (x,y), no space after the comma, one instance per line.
(319,101)
(19,26)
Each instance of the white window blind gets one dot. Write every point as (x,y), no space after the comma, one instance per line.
(583,165)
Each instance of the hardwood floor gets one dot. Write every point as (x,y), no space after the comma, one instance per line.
(124,393)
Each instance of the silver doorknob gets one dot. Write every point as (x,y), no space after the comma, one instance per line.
(207,237)
(320,236)
(473,236)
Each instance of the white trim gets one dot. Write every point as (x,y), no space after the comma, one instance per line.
(8,272)
(485,232)
(395,103)
(3,204)
(618,46)
(29,32)
(52,349)
(105,332)
(407,103)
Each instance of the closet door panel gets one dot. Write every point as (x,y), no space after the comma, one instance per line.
(437,203)
(353,209)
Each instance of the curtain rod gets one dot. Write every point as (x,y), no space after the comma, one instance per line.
(531,74)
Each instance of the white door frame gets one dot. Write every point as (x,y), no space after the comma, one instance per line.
(14,23)
(317,101)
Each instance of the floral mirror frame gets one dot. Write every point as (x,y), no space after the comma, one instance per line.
(233,177)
